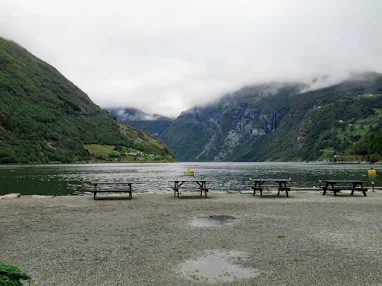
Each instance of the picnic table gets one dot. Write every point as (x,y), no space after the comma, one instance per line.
(201,183)
(352,185)
(112,187)
(282,185)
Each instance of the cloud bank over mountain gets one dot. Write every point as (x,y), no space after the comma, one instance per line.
(166,56)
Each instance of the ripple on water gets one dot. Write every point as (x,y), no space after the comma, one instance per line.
(212,220)
(216,267)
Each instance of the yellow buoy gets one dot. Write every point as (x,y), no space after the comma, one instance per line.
(189,172)
(371,172)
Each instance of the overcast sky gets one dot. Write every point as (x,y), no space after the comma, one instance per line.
(164,56)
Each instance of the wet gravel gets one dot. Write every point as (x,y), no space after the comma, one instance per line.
(306,239)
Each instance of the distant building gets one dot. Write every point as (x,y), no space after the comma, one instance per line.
(138,153)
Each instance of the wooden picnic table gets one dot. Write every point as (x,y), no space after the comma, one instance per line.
(282,185)
(352,185)
(126,188)
(201,183)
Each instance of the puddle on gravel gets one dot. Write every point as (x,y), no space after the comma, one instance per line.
(217,267)
(212,221)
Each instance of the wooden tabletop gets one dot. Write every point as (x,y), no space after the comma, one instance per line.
(271,180)
(189,181)
(343,181)
(111,183)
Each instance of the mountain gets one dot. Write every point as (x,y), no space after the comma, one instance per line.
(152,123)
(284,122)
(44,117)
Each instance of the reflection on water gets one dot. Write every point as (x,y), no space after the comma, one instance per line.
(64,179)
(212,220)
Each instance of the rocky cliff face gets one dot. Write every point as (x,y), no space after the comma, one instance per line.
(281,122)
(221,128)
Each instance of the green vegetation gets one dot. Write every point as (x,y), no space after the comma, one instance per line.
(11,275)
(46,118)
(120,154)
(195,277)
(370,146)
(280,123)
(280,236)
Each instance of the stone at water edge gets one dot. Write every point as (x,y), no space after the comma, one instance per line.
(11,196)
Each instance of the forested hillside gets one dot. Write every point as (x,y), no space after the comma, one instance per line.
(281,122)
(44,117)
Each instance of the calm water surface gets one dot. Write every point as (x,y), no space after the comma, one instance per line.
(71,179)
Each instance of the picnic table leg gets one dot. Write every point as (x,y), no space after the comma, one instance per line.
(280,187)
(326,187)
(176,189)
(354,186)
(95,191)
(287,193)
(130,192)
(364,191)
(204,187)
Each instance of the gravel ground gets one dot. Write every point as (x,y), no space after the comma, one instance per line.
(306,239)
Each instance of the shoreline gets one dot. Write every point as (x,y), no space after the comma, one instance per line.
(222,192)
(379,163)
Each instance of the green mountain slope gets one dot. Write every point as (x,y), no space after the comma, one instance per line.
(279,122)
(44,117)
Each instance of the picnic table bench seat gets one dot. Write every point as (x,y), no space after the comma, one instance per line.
(350,185)
(338,189)
(202,185)
(261,184)
(176,191)
(112,187)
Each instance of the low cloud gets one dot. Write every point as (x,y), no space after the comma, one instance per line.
(166,56)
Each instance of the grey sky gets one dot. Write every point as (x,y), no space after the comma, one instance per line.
(164,56)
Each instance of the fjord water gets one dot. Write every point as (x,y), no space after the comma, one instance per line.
(62,179)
